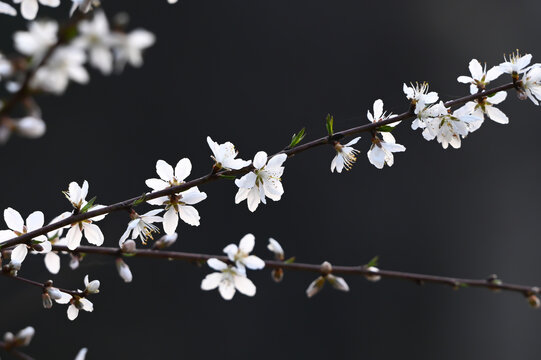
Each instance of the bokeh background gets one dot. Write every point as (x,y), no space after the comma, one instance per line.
(255,72)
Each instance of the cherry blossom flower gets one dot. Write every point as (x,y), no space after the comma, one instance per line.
(227,280)
(65,64)
(128,48)
(381,151)
(531,84)
(95,36)
(241,254)
(485,105)
(124,270)
(480,78)
(52,259)
(7,9)
(91,287)
(29,8)
(419,96)
(263,181)
(141,226)
(224,156)
(177,205)
(449,129)
(317,285)
(41,35)
(345,156)
(79,303)
(76,195)
(516,64)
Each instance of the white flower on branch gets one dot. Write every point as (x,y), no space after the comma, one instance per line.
(141,226)
(128,48)
(64,65)
(41,35)
(345,157)
(79,304)
(381,151)
(23,337)
(450,128)
(91,287)
(7,9)
(166,241)
(516,64)
(264,180)
(76,195)
(29,8)
(480,78)
(317,285)
(177,205)
(485,105)
(227,280)
(419,96)
(123,270)
(531,85)
(240,255)
(224,156)
(96,38)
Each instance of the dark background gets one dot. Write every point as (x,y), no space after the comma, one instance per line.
(254,72)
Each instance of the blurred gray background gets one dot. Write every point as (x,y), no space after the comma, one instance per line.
(255,72)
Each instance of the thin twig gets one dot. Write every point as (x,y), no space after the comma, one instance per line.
(127,204)
(41,285)
(17,353)
(490,283)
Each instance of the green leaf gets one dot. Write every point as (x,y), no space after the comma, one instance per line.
(88,205)
(296,138)
(128,254)
(140,200)
(228,177)
(329,124)
(373,262)
(385,128)
(290,260)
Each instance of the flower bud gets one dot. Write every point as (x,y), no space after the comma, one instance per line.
(46,300)
(166,241)
(326,268)
(276,248)
(277,275)
(30,127)
(24,336)
(124,270)
(54,293)
(315,286)
(372,276)
(128,246)
(92,287)
(534,302)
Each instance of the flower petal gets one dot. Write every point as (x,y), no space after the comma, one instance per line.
(211,281)
(164,170)
(183,169)
(170,221)
(93,234)
(14,220)
(52,262)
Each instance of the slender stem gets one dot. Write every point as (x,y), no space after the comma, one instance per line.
(41,285)
(18,354)
(126,204)
(491,283)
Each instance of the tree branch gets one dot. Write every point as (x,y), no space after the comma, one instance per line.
(18,354)
(491,283)
(42,285)
(127,204)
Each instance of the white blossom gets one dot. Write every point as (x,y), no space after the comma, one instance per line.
(419,96)
(7,9)
(177,205)
(241,254)
(41,35)
(30,127)
(79,304)
(124,270)
(480,78)
(128,48)
(23,337)
(141,226)
(83,5)
(227,280)
(531,84)
(29,8)
(486,106)
(381,151)
(76,195)
(96,38)
(345,156)
(65,64)
(166,241)
(516,64)
(263,181)
(224,155)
